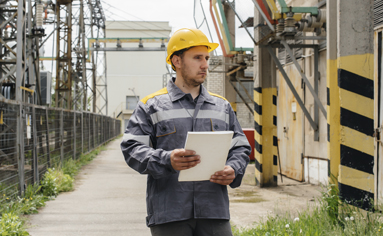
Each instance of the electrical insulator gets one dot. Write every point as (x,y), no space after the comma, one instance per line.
(290,24)
(39,15)
(280,26)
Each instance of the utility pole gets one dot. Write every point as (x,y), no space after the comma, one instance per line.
(64,54)
(99,79)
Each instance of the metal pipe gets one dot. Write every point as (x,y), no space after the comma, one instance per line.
(316,91)
(225,31)
(266,18)
(216,29)
(224,39)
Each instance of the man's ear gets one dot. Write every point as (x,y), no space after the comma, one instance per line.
(176,61)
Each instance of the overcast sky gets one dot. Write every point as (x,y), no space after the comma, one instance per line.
(179,14)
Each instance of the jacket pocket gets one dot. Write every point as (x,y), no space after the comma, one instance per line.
(165,127)
(218,125)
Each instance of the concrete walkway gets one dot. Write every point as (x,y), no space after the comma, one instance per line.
(109,199)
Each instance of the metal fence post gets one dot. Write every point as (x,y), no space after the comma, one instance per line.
(74,135)
(47,138)
(94,130)
(62,136)
(20,148)
(89,132)
(35,164)
(82,132)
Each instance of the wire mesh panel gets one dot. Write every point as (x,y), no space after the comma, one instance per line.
(47,136)
(97,130)
(109,132)
(54,136)
(78,122)
(68,136)
(91,131)
(42,144)
(9,180)
(27,135)
(117,128)
(86,129)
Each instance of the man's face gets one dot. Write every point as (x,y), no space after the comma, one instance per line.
(194,65)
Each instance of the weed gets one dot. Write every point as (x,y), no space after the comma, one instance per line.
(330,217)
(56,181)
(49,185)
(11,224)
(71,167)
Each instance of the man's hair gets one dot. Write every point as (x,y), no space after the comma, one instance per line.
(179,53)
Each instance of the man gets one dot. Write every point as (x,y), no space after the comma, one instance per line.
(156,134)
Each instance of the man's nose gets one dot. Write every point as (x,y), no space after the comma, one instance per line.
(205,64)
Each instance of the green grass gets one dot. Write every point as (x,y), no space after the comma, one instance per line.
(329,217)
(55,180)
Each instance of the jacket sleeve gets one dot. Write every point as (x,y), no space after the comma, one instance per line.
(137,150)
(238,157)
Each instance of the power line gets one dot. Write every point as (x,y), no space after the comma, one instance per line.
(135,22)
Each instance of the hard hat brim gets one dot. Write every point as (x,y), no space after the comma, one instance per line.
(211,47)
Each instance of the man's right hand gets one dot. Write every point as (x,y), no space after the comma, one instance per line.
(182,159)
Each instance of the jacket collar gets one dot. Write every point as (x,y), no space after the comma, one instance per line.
(176,93)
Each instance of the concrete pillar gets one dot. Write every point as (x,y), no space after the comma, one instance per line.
(354,104)
(265,115)
(333,118)
(230,93)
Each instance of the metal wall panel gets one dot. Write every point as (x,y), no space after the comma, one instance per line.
(290,125)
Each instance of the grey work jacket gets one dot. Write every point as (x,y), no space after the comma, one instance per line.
(159,125)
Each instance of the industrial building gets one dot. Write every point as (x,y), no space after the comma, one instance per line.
(308,87)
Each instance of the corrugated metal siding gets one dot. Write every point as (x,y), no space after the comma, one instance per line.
(378,13)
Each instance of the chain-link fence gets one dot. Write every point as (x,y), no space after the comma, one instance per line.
(34,138)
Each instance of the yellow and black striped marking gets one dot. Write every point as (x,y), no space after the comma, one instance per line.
(258,134)
(266,141)
(356,176)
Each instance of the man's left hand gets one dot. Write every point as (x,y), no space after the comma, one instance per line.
(223,177)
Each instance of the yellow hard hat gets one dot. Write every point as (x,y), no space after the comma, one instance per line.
(186,38)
